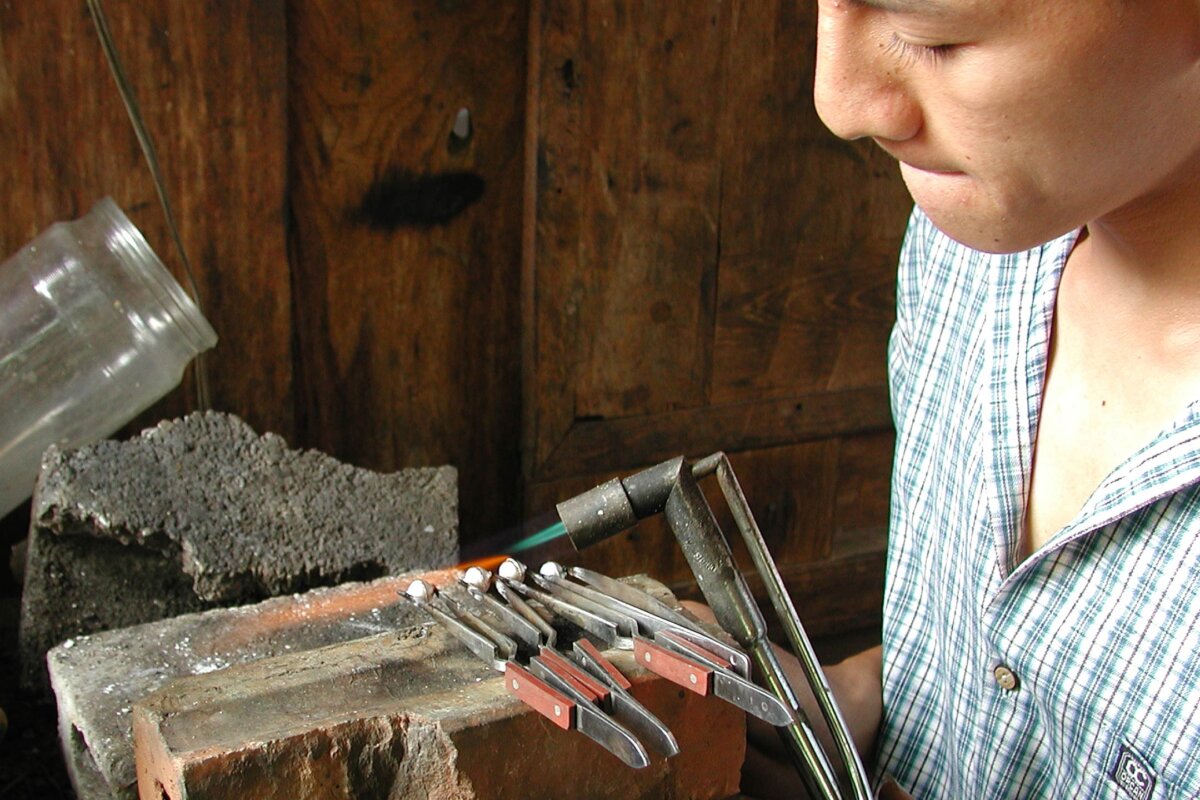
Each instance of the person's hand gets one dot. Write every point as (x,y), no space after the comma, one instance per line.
(890,790)
(769,771)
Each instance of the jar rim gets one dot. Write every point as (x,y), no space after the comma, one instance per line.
(128,243)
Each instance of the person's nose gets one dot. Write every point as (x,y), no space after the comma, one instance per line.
(857,91)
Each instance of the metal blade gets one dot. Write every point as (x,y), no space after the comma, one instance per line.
(594,723)
(651,624)
(501,616)
(634,597)
(645,724)
(506,648)
(623,705)
(518,604)
(733,688)
(603,629)
(586,654)
(476,642)
(626,624)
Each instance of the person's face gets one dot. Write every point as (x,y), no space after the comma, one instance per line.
(1015,121)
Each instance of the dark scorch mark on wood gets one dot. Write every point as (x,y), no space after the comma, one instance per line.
(402,199)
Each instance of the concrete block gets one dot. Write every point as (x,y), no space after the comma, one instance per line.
(97,678)
(201,512)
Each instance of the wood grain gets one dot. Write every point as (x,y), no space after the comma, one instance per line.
(816,320)
(650,195)
(707,268)
(408,334)
(592,446)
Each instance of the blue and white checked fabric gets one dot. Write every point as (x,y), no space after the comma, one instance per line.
(1101,627)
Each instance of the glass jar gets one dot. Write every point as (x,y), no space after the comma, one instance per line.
(93,330)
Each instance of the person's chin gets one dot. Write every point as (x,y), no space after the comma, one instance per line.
(960,208)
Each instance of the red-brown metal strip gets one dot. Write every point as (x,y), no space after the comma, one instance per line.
(591,687)
(607,665)
(537,695)
(672,666)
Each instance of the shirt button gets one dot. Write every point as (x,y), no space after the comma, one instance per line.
(1006,679)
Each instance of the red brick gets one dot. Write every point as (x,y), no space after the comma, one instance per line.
(407,716)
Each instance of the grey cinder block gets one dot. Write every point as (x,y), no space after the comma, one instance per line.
(202,512)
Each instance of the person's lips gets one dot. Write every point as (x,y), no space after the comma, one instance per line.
(918,164)
(932,170)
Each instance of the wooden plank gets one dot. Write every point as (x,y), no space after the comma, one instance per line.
(809,321)
(407,259)
(210,81)
(808,232)
(788,181)
(625,244)
(650,196)
(593,446)
(813,225)
(863,494)
(552,287)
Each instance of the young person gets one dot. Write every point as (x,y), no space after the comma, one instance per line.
(1042,613)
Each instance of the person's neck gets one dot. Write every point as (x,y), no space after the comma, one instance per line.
(1152,246)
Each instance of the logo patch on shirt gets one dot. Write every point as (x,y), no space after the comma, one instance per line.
(1132,774)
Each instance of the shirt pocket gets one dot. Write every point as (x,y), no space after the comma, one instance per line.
(1129,770)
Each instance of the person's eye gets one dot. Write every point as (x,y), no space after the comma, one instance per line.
(924,53)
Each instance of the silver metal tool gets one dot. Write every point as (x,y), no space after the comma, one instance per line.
(499,615)
(590,719)
(617,698)
(649,622)
(672,488)
(727,684)
(620,702)
(676,663)
(549,692)
(602,627)
(607,685)
(493,647)
(699,668)
(626,625)
(508,570)
(625,593)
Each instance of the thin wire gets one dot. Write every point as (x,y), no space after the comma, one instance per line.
(203,399)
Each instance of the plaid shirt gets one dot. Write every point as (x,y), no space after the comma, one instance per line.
(1076,672)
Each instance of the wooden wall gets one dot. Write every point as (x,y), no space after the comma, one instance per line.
(709,269)
(644,245)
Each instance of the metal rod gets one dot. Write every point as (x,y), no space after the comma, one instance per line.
(672,488)
(707,552)
(786,611)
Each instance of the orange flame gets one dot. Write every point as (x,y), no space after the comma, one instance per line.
(488,563)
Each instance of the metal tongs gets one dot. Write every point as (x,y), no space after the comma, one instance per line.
(672,489)
(566,696)
(601,676)
(675,648)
